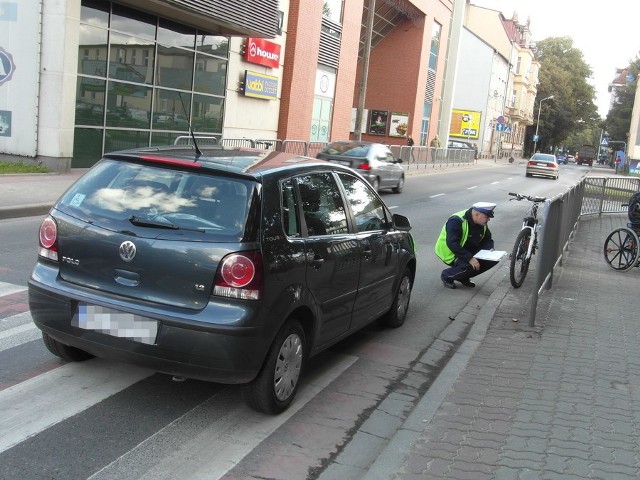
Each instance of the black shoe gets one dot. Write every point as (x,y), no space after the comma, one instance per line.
(448,284)
(467,283)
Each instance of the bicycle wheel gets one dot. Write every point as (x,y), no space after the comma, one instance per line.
(621,249)
(519,264)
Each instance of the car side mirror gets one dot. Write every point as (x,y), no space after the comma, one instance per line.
(398,160)
(400,222)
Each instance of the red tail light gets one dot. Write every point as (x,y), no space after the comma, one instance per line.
(48,238)
(553,165)
(532,164)
(364,166)
(240,275)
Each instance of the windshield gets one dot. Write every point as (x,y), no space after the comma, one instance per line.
(160,198)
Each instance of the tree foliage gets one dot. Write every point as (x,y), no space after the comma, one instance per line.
(618,120)
(564,74)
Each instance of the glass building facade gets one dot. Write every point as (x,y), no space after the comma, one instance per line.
(142,80)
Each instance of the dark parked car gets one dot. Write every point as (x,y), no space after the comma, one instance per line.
(543,164)
(374,161)
(461,145)
(233,266)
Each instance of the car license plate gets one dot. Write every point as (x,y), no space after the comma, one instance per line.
(117,324)
(542,164)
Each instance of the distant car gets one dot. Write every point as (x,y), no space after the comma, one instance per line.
(571,159)
(461,145)
(374,161)
(543,164)
(562,160)
(229,265)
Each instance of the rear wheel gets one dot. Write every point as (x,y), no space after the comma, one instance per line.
(275,387)
(376,184)
(396,316)
(519,264)
(65,352)
(621,249)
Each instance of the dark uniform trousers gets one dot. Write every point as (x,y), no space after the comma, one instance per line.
(461,270)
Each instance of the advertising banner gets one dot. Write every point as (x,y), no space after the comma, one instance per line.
(465,124)
(259,85)
(262,52)
(19,71)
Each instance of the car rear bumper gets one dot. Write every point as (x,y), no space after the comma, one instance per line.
(547,172)
(183,346)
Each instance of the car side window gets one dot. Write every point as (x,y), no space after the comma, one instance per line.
(290,221)
(367,208)
(322,207)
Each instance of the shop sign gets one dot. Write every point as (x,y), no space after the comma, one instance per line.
(262,52)
(7,67)
(259,85)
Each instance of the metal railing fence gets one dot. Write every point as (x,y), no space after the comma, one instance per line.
(560,219)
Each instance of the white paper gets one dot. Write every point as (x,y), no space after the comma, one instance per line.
(494,255)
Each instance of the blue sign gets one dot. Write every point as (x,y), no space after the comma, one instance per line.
(7,67)
(536,138)
(260,86)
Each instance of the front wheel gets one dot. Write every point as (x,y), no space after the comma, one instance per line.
(519,264)
(397,314)
(400,185)
(275,387)
(621,249)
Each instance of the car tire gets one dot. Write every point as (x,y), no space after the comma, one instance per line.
(65,352)
(275,387)
(398,188)
(397,314)
(376,184)
(529,175)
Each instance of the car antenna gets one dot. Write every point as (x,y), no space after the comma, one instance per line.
(193,137)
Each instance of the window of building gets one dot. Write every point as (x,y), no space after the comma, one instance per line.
(430,87)
(149,80)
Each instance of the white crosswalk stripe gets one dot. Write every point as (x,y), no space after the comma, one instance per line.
(213,437)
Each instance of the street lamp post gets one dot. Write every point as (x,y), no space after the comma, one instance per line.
(535,142)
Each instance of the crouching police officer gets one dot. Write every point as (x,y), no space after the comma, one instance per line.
(464,235)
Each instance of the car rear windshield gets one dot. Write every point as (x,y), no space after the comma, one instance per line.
(161,198)
(347,149)
(543,157)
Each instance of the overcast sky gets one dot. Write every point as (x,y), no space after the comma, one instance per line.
(605,32)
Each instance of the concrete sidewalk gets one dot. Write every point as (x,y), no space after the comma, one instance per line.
(560,400)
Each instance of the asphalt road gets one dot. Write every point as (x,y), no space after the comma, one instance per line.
(103,420)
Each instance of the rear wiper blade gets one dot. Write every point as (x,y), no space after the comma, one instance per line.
(143,222)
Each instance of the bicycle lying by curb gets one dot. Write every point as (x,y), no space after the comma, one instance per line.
(526,242)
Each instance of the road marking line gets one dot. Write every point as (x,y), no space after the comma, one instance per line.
(471,188)
(9,288)
(437,195)
(26,408)
(182,450)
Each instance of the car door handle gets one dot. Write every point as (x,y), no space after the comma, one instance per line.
(315,260)
(366,253)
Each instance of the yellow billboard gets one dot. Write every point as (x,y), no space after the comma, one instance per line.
(465,124)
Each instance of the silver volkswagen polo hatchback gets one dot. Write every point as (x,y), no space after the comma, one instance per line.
(226,265)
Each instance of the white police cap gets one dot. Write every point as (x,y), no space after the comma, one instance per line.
(484,207)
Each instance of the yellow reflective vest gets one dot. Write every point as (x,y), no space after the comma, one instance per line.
(442,249)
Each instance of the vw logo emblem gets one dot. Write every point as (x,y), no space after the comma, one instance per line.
(127,251)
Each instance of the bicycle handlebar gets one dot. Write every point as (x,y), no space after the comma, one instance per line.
(520,196)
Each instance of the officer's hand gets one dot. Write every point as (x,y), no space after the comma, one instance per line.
(475,264)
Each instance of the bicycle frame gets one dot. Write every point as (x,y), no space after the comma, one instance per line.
(519,258)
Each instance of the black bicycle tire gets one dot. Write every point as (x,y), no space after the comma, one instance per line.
(622,250)
(517,278)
